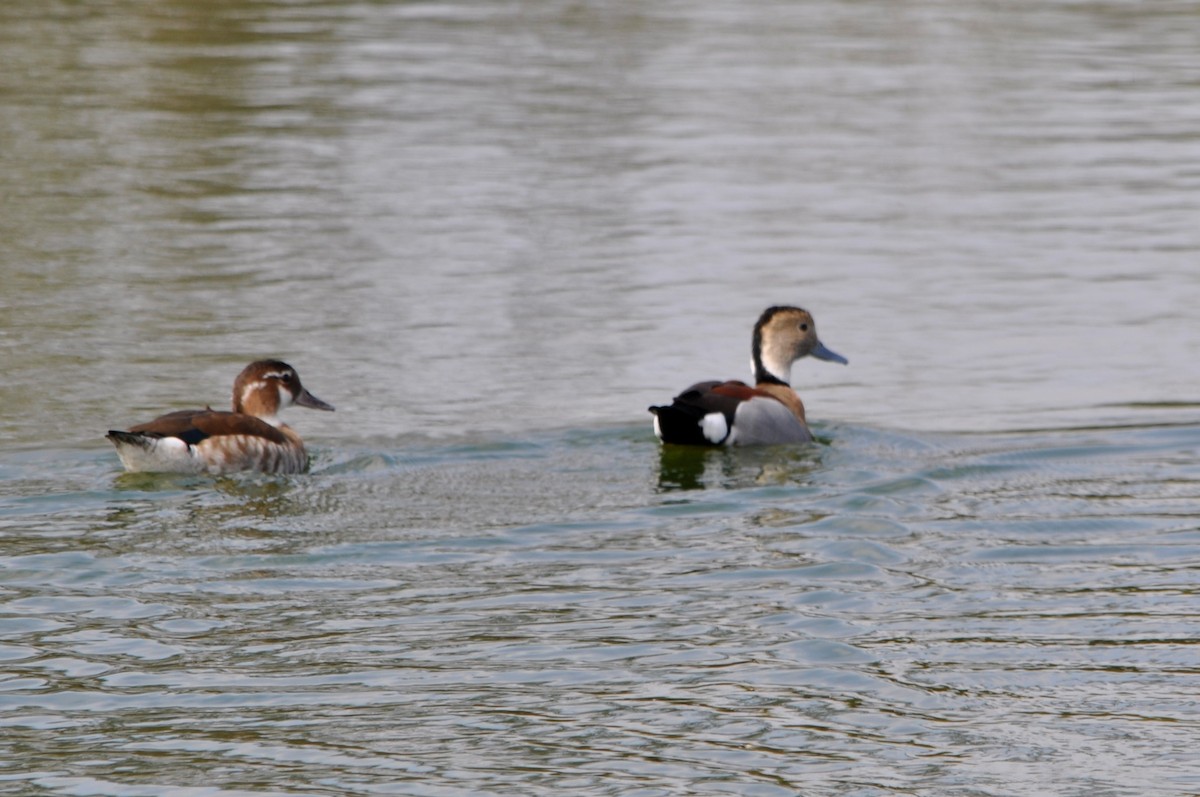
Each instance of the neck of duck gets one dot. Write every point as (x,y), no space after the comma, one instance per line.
(261,401)
(773,376)
(772,367)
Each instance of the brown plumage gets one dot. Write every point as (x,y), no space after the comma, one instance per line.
(251,437)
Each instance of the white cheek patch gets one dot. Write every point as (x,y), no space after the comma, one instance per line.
(286,398)
(714,427)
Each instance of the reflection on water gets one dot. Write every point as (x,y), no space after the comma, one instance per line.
(497,232)
(694,468)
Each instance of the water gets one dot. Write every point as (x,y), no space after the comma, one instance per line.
(492,234)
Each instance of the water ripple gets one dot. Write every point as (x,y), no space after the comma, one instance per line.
(883,622)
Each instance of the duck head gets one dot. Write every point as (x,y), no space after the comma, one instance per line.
(783,335)
(265,387)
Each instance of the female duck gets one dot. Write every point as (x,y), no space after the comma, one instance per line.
(733,413)
(209,441)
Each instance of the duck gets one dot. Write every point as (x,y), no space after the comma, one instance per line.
(770,412)
(250,438)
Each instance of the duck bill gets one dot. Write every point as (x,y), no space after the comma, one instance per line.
(306,399)
(821,353)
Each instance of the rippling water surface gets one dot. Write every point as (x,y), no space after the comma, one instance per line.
(491,234)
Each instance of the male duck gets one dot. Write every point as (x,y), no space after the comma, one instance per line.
(209,441)
(733,413)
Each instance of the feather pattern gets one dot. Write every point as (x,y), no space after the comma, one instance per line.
(734,413)
(251,437)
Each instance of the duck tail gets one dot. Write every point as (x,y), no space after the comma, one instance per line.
(680,424)
(120,438)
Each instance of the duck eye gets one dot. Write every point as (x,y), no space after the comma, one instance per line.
(804,327)
(286,377)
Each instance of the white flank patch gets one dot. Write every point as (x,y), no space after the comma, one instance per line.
(165,455)
(715,427)
(657,428)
